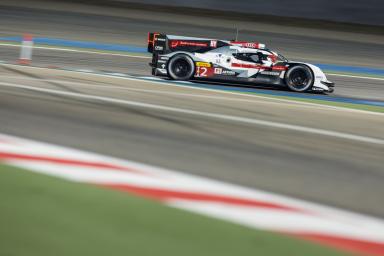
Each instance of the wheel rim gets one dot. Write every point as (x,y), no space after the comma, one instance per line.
(181,68)
(299,79)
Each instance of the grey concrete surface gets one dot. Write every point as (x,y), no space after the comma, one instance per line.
(332,171)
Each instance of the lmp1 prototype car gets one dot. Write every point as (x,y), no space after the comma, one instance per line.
(191,58)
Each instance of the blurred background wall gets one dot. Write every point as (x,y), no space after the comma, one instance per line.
(352,11)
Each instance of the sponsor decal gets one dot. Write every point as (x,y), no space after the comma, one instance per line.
(245,65)
(253,45)
(218,71)
(258,66)
(213,43)
(221,71)
(229,73)
(279,68)
(203,64)
(178,43)
(270,73)
(159,48)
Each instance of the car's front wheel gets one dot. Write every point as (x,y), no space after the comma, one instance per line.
(181,67)
(299,78)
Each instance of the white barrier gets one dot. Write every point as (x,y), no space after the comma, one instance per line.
(26,50)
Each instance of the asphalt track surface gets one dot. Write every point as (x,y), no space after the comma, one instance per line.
(341,172)
(336,171)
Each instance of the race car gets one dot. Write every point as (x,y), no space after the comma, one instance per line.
(192,58)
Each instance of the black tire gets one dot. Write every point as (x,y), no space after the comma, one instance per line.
(181,67)
(299,78)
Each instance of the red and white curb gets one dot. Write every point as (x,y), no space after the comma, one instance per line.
(250,207)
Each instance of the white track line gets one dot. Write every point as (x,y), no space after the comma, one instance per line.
(297,128)
(82,51)
(354,76)
(161,81)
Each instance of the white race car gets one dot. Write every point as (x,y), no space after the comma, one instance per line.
(191,58)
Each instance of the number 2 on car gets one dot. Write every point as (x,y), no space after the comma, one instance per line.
(201,72)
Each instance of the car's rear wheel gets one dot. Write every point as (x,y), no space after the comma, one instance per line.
(299,78)
(181,67)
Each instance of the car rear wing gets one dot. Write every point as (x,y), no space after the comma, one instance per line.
(157,43)
(162,44)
